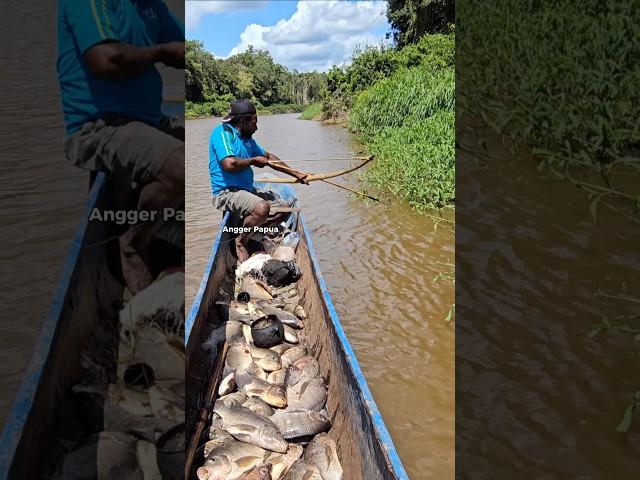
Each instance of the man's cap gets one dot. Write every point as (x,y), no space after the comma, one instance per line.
(239,107)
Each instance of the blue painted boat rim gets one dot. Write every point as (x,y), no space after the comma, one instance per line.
(195,306)
(23,402)
(379,424)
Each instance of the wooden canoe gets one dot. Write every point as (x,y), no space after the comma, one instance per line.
(31,427)
(88,292)
(364,445)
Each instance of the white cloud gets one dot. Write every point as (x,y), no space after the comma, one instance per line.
(319,34)
(196,9)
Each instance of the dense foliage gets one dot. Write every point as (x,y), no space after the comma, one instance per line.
(416,161)
(564,84)
(407,96)
(211,83)
(411,19)
(401,103)
(371,64)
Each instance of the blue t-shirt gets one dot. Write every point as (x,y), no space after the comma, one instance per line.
(85,23)
(225,141)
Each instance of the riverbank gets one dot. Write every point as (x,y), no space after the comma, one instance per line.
(400,104)
(312,112)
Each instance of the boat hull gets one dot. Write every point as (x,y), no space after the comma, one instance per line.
(364,444)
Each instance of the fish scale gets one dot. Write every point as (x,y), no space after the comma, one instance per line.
(299,423)
(248,426)
(322,453)
(307,394)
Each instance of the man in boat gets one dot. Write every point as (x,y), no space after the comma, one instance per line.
(232,153)
(112,95)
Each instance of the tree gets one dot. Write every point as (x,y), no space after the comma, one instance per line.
(411,19)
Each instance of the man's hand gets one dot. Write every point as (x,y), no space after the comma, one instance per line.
(259,161)
(172,54)
(302,178)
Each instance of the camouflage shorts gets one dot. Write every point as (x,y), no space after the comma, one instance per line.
(133,147)
(242,202)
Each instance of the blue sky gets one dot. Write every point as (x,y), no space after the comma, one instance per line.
(306,35)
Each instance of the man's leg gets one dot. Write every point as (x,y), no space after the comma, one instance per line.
(152,160)
(273,200)
(166,190)
(256,218)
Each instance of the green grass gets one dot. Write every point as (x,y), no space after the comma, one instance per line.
(559,78)
(312,112)
(408,122)
(416,162)
(407,96)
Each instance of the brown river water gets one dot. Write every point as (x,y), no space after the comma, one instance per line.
(536,396)
(379,264)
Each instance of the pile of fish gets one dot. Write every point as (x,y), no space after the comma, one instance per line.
(139,413)
(269,421)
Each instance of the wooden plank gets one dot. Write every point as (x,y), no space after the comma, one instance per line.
(284,209)
(204,413)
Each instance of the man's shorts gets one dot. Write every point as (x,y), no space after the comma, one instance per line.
(242,202)
(135,147)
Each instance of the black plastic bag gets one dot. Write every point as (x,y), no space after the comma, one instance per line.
(280,274)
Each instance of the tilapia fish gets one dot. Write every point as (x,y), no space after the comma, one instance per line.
(280,349)
(281,462)
(322,453)
(234,399)
(228,331)
(277,377)
(287,318)
(303,471)
(307,394)
(217,438)
(265,358)
(256,405)
(260,373)
(248,426)
(229,459)
(261,472)
(296,423)
(297,310)
(244,312)
(290,335)
(238,358)
(227,384)
(257,290)
(305,368)
(274,395)
(292,354)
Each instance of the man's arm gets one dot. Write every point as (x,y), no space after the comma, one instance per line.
(92,25)
(237,164)
(276,162)
(116,61)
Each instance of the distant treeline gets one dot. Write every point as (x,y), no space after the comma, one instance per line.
(211,84)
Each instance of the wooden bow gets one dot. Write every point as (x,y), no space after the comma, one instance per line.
(294,172)
(313,177)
